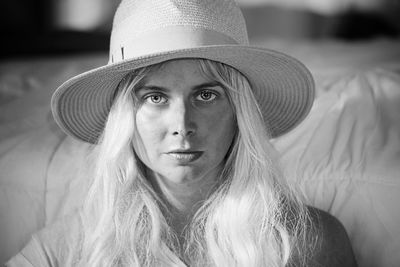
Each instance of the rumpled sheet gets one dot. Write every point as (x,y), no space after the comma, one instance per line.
(345,156)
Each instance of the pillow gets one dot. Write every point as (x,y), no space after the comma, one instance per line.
(345,157)
(29,139)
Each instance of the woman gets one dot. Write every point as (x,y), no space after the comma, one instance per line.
(184,174)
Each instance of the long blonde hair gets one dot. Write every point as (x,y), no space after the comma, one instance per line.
(252,218)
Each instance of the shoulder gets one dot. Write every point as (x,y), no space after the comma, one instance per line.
(331,244)
(62,232)
(54,245)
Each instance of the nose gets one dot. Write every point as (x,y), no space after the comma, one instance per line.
(182,119)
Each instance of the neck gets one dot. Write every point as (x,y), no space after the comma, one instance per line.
(184,199)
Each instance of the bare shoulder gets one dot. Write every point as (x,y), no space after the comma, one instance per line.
(332,245)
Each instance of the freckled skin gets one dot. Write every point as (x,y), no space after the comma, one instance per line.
(185,113)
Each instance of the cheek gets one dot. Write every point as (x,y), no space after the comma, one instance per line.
(149,131)
(221,131)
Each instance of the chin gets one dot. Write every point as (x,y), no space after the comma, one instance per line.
(182,174)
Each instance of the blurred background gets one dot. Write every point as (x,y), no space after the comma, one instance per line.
(64,26)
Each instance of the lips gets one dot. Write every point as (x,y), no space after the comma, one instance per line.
(185,157)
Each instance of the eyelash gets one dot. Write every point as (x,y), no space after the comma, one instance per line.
(163,99)
(150,96)
(214,95)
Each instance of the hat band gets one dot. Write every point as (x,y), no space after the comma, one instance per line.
(162,40)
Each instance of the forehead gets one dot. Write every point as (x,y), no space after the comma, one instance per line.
(181,71)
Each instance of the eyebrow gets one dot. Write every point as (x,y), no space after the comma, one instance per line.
(164,89)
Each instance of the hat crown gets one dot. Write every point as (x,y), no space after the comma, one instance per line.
(137,19)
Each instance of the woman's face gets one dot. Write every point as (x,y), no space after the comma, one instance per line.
(184,121)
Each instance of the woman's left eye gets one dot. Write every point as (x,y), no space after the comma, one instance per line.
(206,96)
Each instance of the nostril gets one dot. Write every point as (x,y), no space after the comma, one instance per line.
(183,133)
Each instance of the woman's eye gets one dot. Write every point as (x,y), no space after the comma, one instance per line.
(156,99)
(206,96)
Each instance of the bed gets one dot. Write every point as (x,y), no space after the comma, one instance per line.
(345,156)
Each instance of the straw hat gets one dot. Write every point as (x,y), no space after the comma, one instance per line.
(147,32)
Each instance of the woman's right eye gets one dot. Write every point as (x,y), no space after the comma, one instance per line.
(156,99)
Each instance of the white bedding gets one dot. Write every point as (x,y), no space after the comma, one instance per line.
(345,155)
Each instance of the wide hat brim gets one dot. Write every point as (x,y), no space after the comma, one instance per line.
(283,87)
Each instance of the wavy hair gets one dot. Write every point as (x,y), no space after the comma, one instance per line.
(253,217)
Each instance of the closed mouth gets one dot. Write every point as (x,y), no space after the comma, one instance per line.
(185,156)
